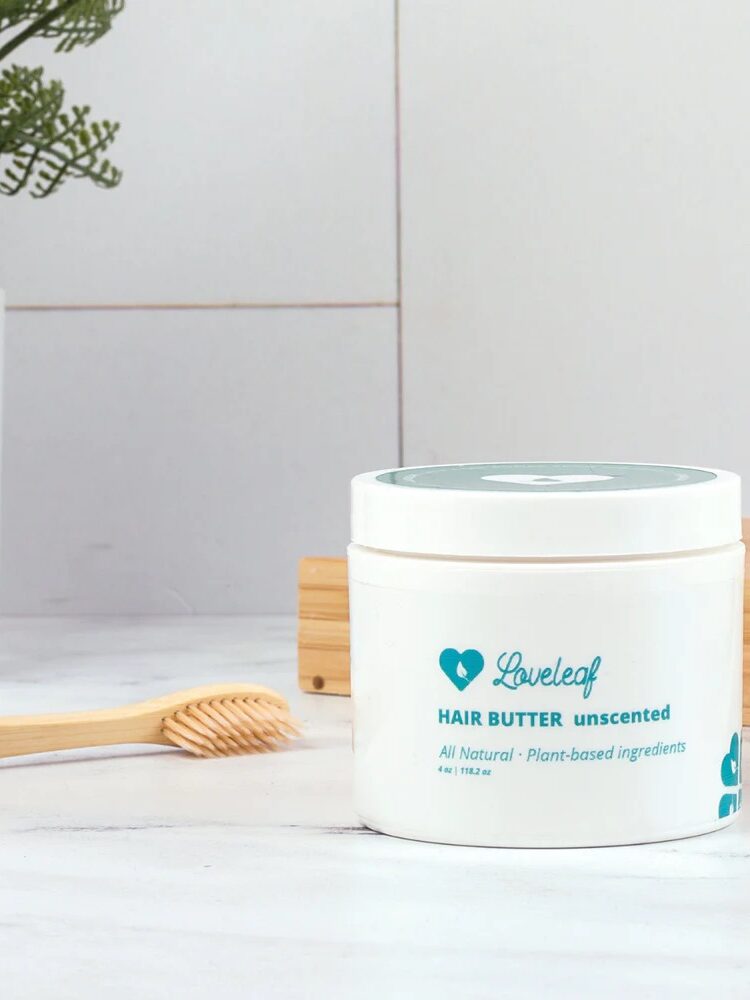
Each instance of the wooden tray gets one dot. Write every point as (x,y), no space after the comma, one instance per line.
(323,627)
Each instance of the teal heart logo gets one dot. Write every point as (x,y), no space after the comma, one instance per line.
(730,778)
(730,765)
(461,668)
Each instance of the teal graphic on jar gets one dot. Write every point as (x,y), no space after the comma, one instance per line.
(536,477)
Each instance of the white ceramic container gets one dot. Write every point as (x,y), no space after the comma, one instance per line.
(546,654)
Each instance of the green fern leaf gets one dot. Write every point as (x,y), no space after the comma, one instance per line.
(51,144)
(72,22)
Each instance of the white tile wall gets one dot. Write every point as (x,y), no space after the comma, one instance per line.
(574,228)
(257,142)
(182,461)
(576,222)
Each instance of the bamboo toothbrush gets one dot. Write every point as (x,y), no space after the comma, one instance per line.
(217,720)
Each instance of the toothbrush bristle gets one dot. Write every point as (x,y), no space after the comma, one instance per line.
(230,726)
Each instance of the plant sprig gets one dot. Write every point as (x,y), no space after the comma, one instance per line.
(41,145)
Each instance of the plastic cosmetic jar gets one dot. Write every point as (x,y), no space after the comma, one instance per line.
(546,654)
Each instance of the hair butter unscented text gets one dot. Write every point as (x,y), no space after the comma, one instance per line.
(546,654)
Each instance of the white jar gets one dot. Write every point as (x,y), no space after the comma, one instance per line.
(546,654)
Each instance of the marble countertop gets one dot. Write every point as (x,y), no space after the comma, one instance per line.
(142,872)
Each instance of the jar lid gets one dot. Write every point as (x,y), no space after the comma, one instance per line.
(546,509)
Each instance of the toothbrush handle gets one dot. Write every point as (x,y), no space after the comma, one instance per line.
(23,734)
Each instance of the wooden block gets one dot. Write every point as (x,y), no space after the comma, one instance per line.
(323,636)
(323,626)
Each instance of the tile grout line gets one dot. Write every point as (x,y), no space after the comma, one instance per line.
(166,306)
(399,293)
